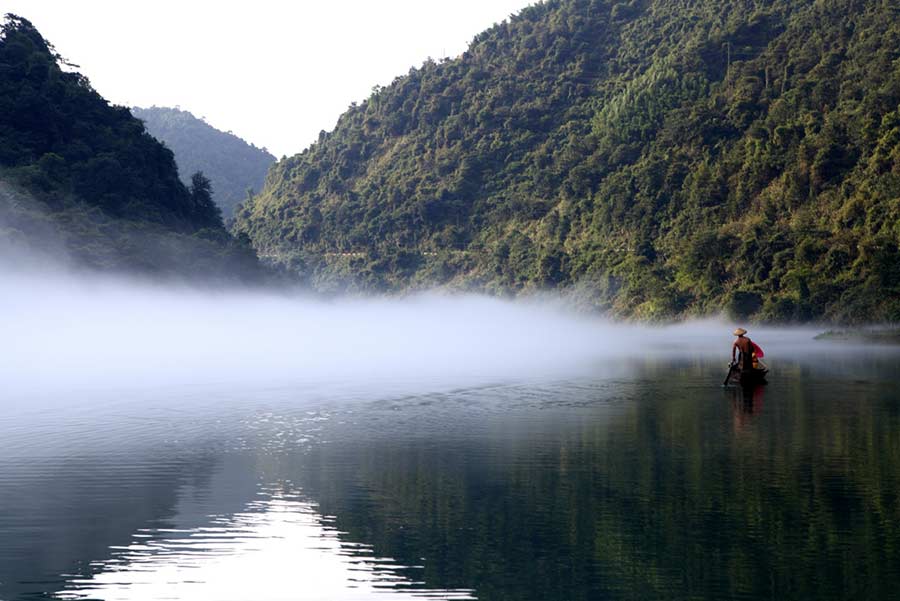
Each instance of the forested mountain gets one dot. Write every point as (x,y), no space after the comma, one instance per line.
(661,157)
(83,179)
(231,164)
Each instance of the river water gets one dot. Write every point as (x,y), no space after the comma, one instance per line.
(624,479)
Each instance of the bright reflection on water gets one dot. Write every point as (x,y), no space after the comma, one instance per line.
(279,548)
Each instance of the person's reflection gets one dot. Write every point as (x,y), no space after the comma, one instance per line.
(746,403)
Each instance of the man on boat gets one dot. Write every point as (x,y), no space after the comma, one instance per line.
(745,346)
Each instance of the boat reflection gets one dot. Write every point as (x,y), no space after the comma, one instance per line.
(280,547)
(746,403)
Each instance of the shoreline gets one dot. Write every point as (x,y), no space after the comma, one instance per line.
(874,335)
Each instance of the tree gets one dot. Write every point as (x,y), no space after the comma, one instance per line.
(205,209)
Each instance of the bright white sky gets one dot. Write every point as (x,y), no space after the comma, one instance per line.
(275,72)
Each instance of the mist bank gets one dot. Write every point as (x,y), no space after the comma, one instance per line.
(99,332)
(60,235)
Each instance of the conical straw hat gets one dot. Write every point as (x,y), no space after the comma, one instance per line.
(740,332)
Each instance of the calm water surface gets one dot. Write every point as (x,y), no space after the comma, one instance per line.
(647,481)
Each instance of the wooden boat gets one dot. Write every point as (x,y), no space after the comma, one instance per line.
(752,376)
(747,377)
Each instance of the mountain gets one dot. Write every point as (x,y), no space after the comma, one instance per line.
(83,181)
(655,158)
(231,164)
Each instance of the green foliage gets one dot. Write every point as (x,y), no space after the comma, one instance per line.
(742,304)
(690,151)
(83,180)
(232,165)
(59,136)
(202,198)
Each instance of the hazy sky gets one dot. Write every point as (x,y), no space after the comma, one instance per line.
(275,72)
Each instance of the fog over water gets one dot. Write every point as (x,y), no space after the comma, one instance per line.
(79,332)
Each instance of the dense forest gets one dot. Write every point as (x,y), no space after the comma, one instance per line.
(232,165)
(83,180)
(656,158)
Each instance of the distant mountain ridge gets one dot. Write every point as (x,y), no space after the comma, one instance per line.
(232,164)
(659,157)
(81,181)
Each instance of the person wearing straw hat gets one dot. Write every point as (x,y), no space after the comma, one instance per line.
(745,346)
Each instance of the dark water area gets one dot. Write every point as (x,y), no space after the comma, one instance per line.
(644,481)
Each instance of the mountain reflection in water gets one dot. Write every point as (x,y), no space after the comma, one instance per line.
(642,480)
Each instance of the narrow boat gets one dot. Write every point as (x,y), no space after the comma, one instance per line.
(747,377)
(752,377)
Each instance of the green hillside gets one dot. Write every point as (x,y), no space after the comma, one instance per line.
(83,181)
(231,164)
(658,157)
